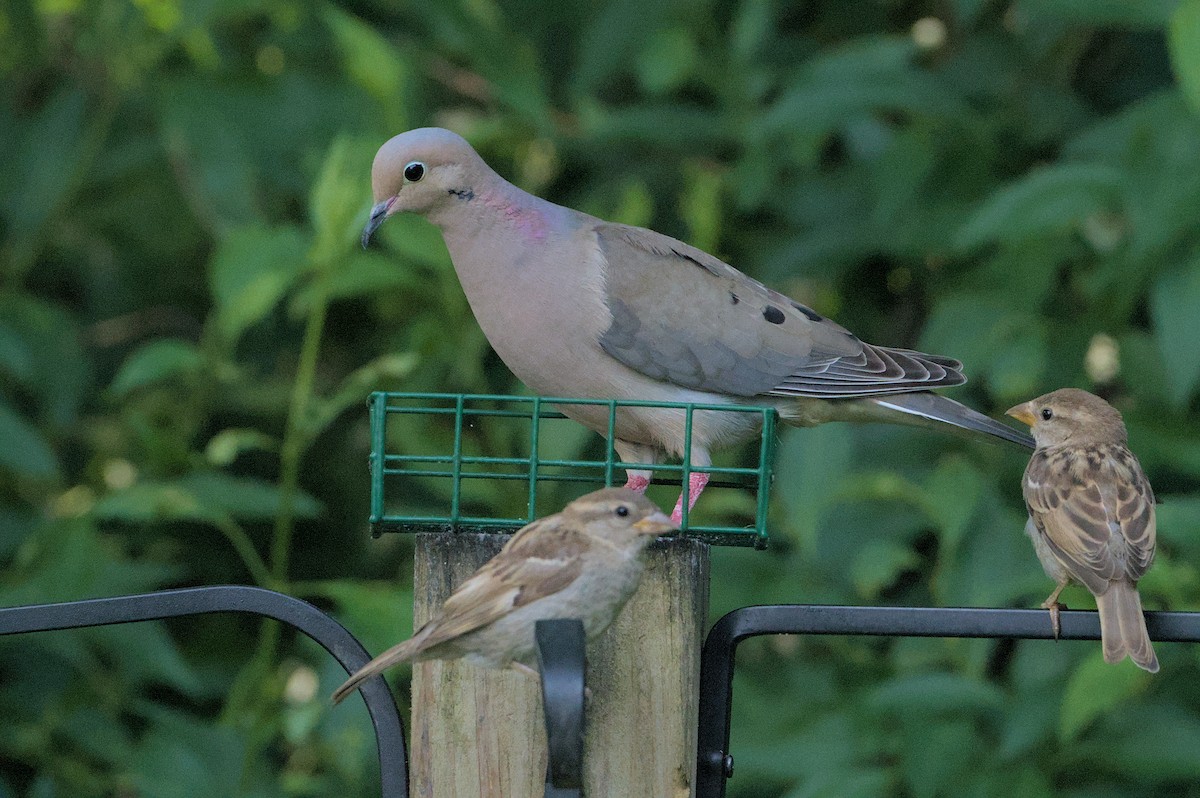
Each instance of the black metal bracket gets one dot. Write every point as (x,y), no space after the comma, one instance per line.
(331,635)
(715,764)
(561,661)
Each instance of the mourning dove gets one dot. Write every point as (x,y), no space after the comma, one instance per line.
(584,562)
(1091,514)
(580,307)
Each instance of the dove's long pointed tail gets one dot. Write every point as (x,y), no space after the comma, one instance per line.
(924,406)
(393,656)
(1123,627)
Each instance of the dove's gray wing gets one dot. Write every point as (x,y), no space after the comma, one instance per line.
(682,316)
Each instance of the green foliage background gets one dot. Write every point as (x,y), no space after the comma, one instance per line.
(187,331)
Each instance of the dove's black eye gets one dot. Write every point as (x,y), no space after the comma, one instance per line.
(622,510)
(414,171)
(1047,414)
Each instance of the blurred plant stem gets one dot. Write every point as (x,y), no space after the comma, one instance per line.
(244,546)
(255,693)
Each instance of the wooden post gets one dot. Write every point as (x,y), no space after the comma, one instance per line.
(479,733)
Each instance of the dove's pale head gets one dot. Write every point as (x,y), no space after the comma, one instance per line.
(420,171)
(1071,416)
(619,516)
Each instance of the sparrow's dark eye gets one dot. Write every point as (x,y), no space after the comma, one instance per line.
(1047,414)
(622,510)
(414,171)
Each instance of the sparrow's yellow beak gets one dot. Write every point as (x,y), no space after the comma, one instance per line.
(656,524)
(1022,412)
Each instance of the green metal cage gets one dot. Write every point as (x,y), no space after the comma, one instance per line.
(440,457)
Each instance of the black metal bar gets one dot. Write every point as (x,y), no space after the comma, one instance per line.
(560,650)
(715,764)
(331,635)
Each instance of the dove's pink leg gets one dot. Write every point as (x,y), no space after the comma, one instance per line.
(696,483)
(637,482)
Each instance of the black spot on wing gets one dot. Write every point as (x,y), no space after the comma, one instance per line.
(773,314)
(809,312)
(694,262)
(733,298)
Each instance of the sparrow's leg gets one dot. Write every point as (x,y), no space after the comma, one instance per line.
(521,667)
(1051,603)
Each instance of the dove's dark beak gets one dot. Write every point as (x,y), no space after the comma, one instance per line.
(379,215)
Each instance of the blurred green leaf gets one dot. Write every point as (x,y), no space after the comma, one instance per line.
(379,612)
(208,146)
(379,374)
(1121,746)
(701,208)
(1152,14)
(22,448)
(667,60)
(251,272)
(620,29)
(225,447)
(940,756)
(1048,200)
(363,274)
(340,198)
(878,564)
(1184,37)
(159,660)
(809,465)
(953,491)
(154,362)
(151,502)
(182,757)
(15,358)
(1174,301)
(200,496)
(932,694)
(1005,343)
(58,370)
(871,75)
(243,497)
(371,60)
(1094,688)
(44,166)
(94,732)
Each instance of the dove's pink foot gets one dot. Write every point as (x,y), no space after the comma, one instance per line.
(696,483)
(637,482)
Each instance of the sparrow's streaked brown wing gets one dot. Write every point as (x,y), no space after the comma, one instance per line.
(1095,509)
(541,559)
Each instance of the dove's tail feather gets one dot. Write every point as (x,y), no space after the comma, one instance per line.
(923,406)
(401,652)
(1123,627)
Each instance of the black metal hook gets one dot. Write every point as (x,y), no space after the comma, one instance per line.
(561,661)
(331,635)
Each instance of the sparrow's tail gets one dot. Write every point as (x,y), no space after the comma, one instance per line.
(398,653)
(924,407)
(1123,627)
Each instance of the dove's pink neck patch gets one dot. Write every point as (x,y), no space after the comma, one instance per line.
(528,221)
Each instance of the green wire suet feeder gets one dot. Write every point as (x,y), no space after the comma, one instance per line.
(449,463)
